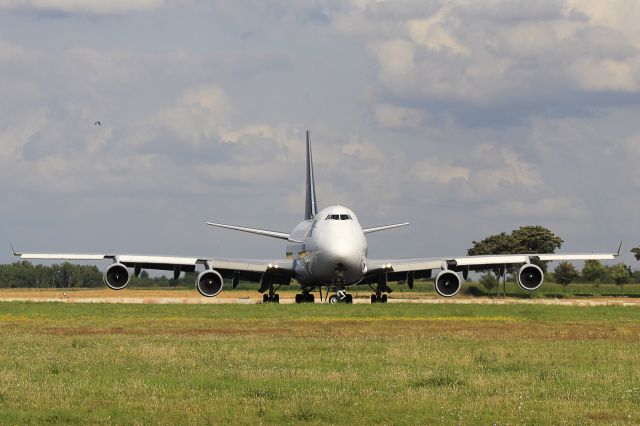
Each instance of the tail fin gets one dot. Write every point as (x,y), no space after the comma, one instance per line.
(311,208)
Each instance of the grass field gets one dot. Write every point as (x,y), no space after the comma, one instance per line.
(316,364)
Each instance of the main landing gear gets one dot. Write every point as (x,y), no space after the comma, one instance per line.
(382,287)
(378,299)
(274,298)
(268,290)
(305,297)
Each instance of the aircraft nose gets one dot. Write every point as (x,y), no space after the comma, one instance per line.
(345,257)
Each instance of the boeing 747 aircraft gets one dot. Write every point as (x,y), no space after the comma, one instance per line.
(328,249)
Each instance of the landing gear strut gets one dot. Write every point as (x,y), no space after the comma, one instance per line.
(266,283)
(378,297)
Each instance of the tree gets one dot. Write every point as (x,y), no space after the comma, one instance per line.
(636,252)
(593,271)
(565,273)
(495,244)
(536,239)
(489,281)
(620,273)
(527,239)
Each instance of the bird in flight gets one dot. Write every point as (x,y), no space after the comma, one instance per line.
(97,123)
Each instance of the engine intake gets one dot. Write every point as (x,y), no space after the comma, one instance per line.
(209,283)
(530,277)
(447,283)
(116,276)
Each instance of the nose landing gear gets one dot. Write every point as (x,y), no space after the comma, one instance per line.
(341,295)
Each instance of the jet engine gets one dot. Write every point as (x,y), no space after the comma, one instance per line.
(209,283)
(447,283)
(116,276)
(530,277)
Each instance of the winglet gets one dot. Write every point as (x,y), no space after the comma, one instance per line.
(619,248)
(15,253)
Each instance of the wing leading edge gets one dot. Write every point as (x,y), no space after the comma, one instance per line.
(252,269)
(479,263)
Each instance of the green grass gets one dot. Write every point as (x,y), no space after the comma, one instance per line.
(317,364)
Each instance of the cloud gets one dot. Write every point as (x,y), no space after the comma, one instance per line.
(89,7)
(198,116)
(490,52)
(392,116)
(432,171)
(544,208)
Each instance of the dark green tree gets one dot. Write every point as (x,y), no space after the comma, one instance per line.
(495,244)
(620,273)
(489,281)
(527,239)
(593,271)
(536,239)
(565,273)
(636,252)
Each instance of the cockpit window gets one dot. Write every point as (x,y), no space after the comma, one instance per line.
(338,217)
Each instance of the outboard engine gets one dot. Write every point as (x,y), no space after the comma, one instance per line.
(209,283)
(447,283)
(116,276)
(530,277)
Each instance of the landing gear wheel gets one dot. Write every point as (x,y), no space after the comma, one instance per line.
(379,299)
(305,298)
(334,299)
(270,299)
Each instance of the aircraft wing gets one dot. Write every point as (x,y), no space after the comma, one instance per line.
(476,263)
(247,269)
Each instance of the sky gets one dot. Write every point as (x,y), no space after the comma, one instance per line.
(465,118)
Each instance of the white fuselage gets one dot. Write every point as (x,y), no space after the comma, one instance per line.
(329,250)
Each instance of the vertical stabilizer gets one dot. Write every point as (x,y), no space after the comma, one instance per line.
(311,208)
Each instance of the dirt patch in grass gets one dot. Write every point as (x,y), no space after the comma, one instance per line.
(380,329)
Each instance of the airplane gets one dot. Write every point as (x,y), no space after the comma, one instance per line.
(328,249)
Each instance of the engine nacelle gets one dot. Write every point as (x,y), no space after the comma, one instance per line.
(530,277)
(116,276)
(447,283)
(209,283)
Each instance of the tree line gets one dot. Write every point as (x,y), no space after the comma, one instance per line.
(67,275)
(538,239)
(527,239)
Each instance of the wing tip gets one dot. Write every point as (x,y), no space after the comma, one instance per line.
(15,253)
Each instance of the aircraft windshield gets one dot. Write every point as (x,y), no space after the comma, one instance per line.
(338,217)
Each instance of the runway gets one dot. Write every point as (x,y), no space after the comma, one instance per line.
(196,300)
